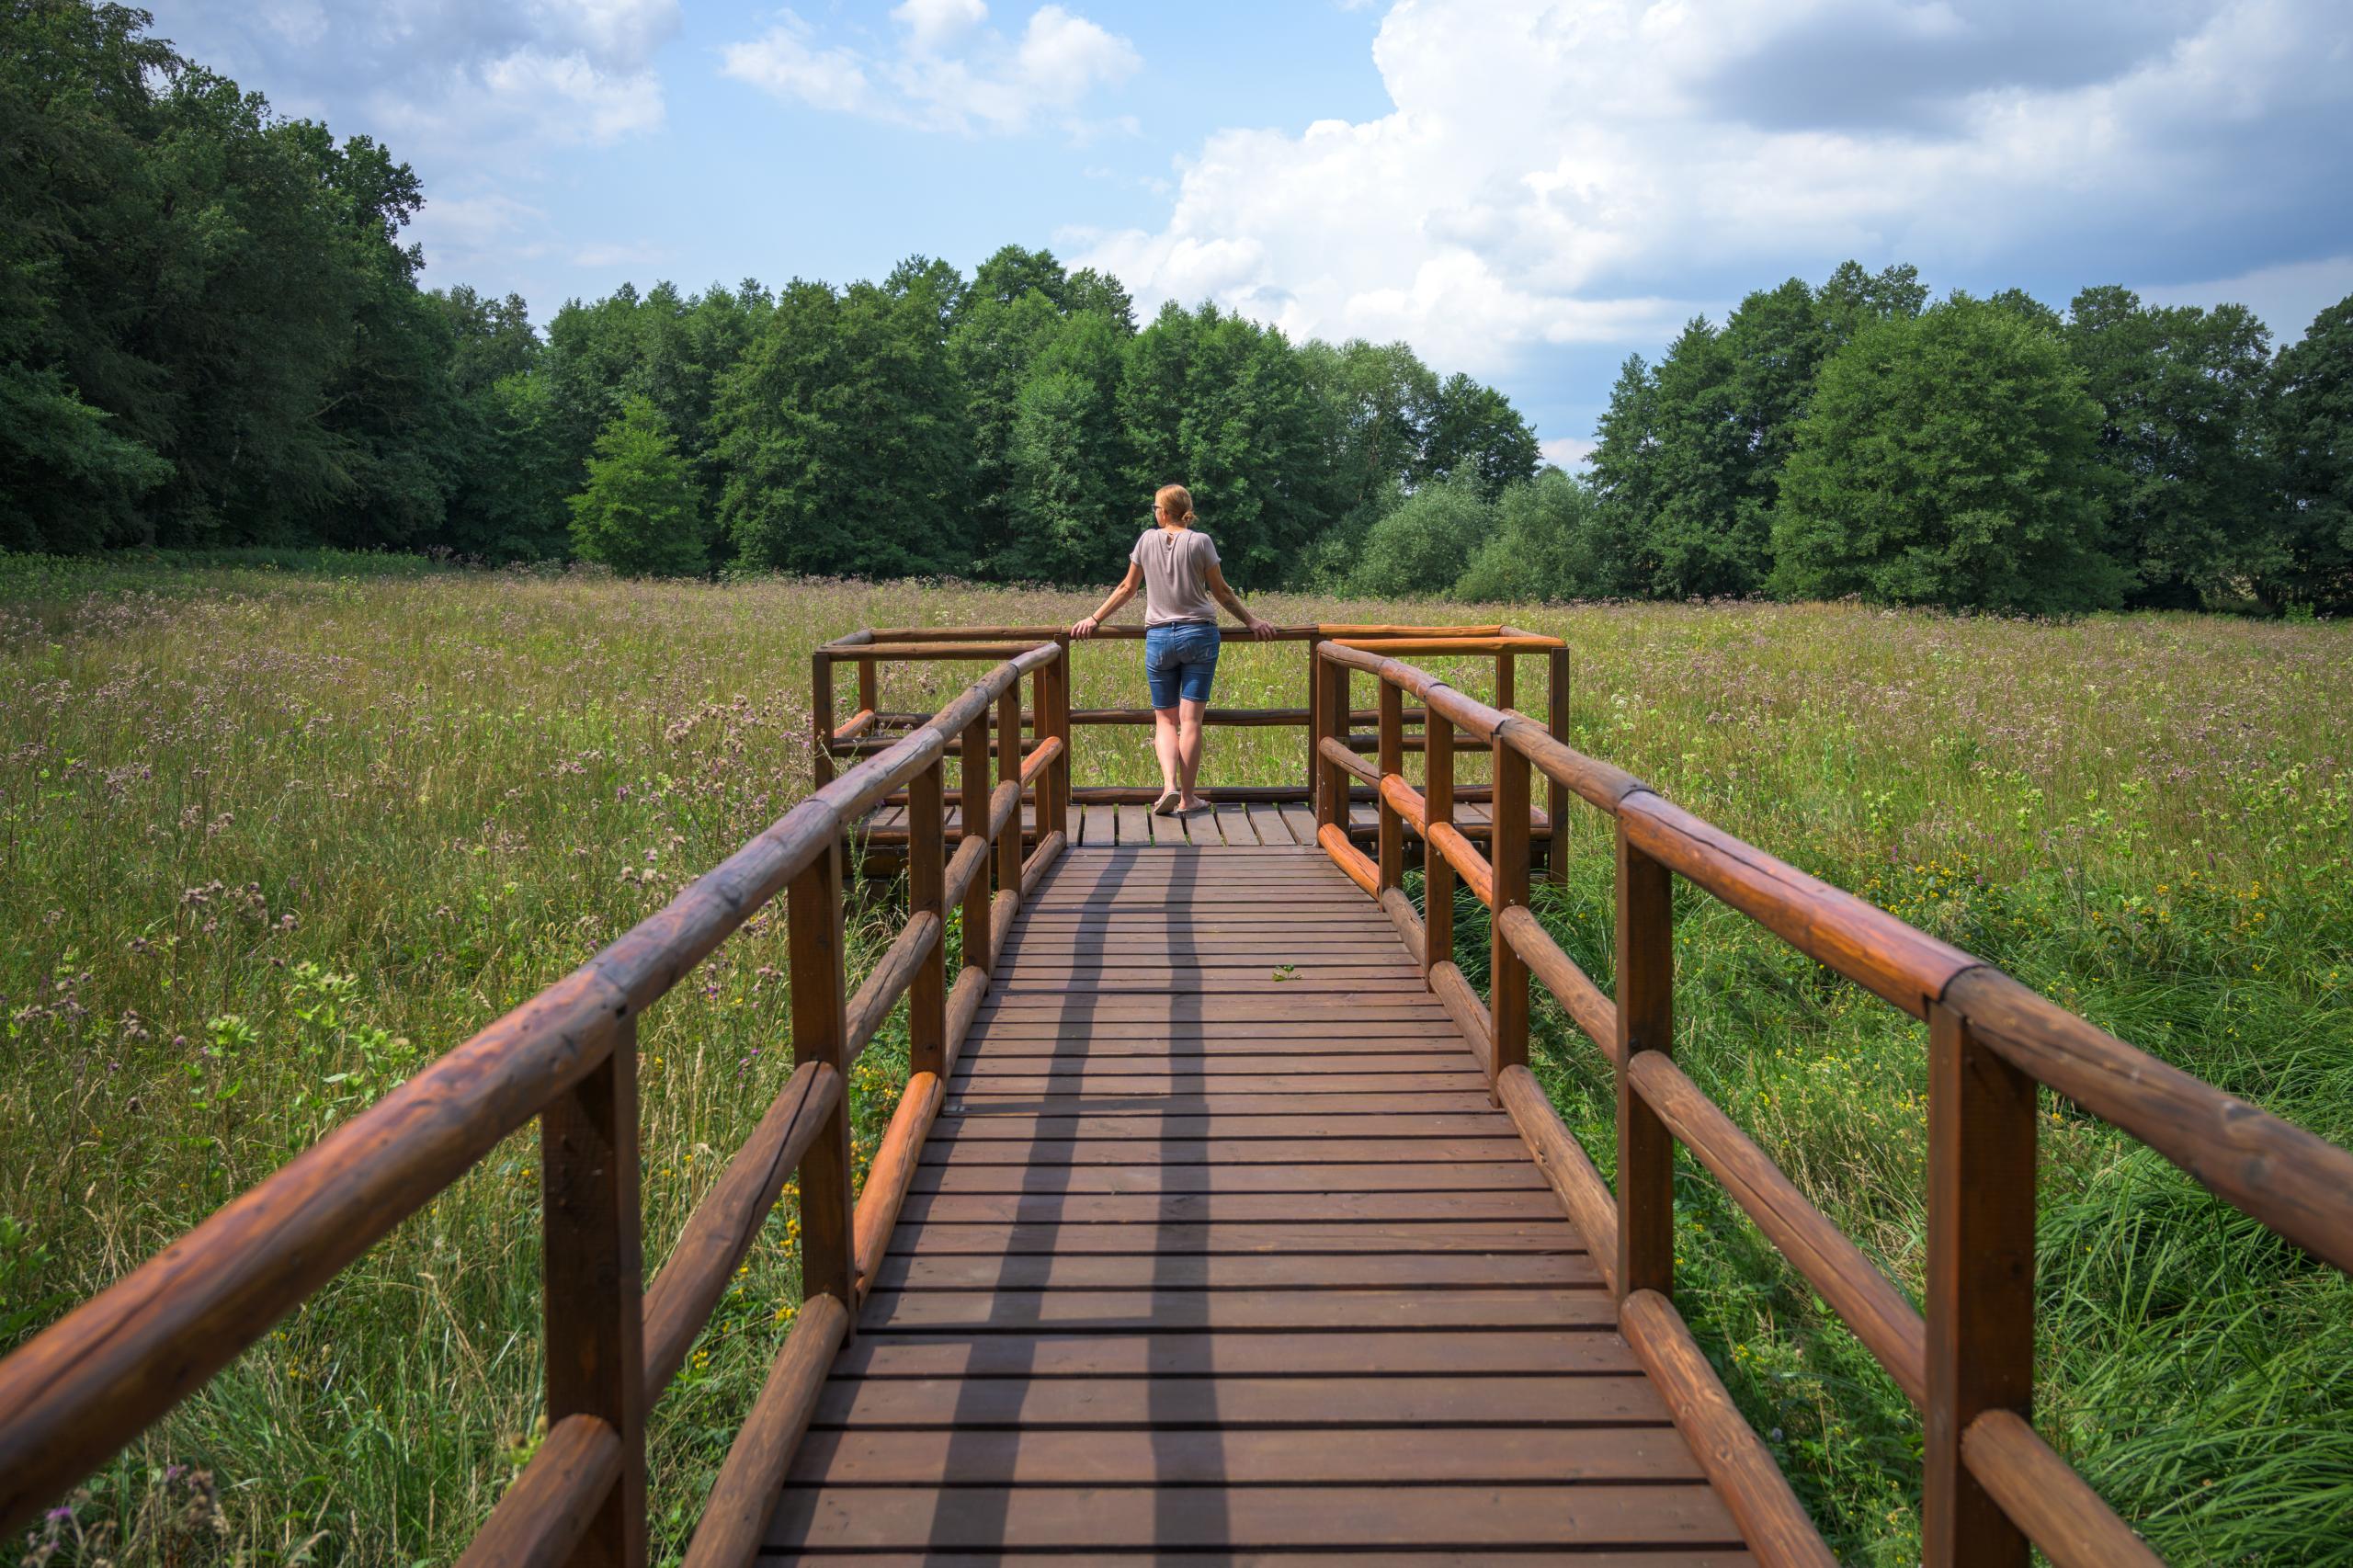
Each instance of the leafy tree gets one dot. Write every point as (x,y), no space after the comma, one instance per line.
(491,339)
(2181,392)
(1948,457)
(1476,434)
(1073,515)
(842,437)
(1424,546)
(1550,542)
(511,501)
(1677,466)
(641,513)
(2313,433)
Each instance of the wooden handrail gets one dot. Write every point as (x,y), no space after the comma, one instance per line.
(1992,1483)
(91,1382)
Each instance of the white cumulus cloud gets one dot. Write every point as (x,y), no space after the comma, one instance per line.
(1554,174)
(945,69)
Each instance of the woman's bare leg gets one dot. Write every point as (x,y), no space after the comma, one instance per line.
(1190,715)
(1165,743)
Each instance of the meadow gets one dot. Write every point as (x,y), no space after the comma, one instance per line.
(276,833)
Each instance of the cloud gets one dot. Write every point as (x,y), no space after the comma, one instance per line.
(1567,451)
(498,82)
(1557,175)
(945,69)
(2286,297)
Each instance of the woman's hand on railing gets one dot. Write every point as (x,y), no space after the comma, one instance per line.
(1260,628)
(1083,629)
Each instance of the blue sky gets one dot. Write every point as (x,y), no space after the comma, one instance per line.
(1524,189)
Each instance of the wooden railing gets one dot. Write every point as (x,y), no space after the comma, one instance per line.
(91,1383)
(868,729)
(1991,1484)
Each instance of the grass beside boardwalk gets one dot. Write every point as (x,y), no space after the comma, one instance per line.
(277,833)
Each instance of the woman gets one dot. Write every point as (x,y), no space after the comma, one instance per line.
(1176,566)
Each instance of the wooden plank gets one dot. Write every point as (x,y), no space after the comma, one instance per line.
(956,1129)
(1344,1183)
(1134,825)
(1231,1403)
(1223,1150)
(1301,821)
(1095,826)
(1275,1006)
(946,1238)
(1489,1557)
(1272,1112)
(1199,1037)
(1199,1271)
(1488,1353)
(1370,980)
(1140,1518)
(1031,1312)
(1174,1207)
(1335,1075)
(1235,823)
(1268,1457)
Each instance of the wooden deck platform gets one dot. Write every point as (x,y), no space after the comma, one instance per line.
(1233,825)
(1219,1250)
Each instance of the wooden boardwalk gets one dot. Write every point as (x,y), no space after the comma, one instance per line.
(1239,825)
(1219,1249)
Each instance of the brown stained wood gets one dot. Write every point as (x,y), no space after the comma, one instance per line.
(928,899)
(1190,1271)
(1772,1521)
(1032,1311)
(1287,1205)
(1437,875)
(858,723)
(593,1312)
(1095,829)
(2299,1184)
(1980,1333)
(1225,1150)
(1041,756)
(1301,821)
(973,770)
(1566,1164)
(1462,1004)
(913,948)
(1352,861)
(1263,1076)
(1507,973)
(893,1166)
(1271,1517)
(1645,1022)
(1005,804)
(964,999)
(1720,1557)
(1400,646)
(2056,1508)
(1517,1177)
(1134,825)
(743,1499)
(1331,1098)
(967,870)
(1866,944)
(821,734)
(697,1273)
(1406,803)
(1864,1299)
(1292,1239)
(1466,861)
(1242,1402)
(1165,1127)
(1041,859)
(1337,755)
(539,1519)
(1402,914)
(1207,1458)
(1392,856)
(900,651)
(1556,792)
(1587,1007)
(814,961)
(1034,1035)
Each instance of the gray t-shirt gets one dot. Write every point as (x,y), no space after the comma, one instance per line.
(1176,575)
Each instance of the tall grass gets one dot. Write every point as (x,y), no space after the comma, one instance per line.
(278,833)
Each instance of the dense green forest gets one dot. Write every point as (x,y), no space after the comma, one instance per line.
(211,334)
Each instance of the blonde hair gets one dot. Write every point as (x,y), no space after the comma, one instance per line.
(1175,500)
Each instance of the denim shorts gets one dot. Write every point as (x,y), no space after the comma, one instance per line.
(1179,660)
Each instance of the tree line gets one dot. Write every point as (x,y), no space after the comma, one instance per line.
(215,335)
(212,333)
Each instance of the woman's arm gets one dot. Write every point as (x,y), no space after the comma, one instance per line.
(1120,595)
(1225,594)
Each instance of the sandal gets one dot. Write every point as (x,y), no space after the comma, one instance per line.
(1167,805)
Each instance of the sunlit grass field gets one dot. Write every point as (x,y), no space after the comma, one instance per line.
(277,836)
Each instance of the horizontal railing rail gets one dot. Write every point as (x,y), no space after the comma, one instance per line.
(92,1381)
(1991,1484)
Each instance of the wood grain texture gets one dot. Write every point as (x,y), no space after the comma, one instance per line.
(2059,1511)
(541,1519)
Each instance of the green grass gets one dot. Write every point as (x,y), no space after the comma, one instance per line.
(279,832)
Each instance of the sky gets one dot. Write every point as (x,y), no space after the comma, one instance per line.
(1525,191)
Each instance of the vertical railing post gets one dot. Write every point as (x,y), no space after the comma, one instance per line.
(1009,767)
(1645,1022)
(973,770)
(869,698)
(1437,871)
(1314,724)
(1507,680)
(594,1304)
(820,1030)
(1332,719)
(1981,1283)
(1059,773)
(1392,760)
(1507,970)
(821,718)
(1556,794)
(926,894)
